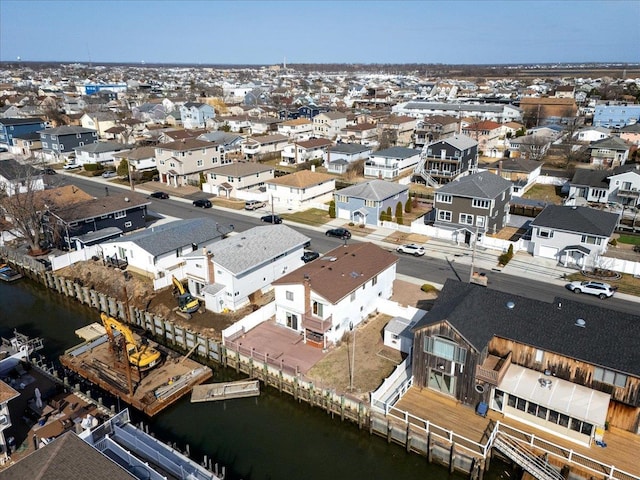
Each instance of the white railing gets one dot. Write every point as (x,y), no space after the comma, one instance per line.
(250,321)
(393,387)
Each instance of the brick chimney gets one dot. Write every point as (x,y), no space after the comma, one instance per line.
(210,267)
(307,293)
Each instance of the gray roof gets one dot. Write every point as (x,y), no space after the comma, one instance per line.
(171,236)
(67,457)
(518,164)
(591,178)
(373,190)
(577,219)
(396,152)
(66,130)
(459,141)
(633,128)
(241,169)
(11,169)
(220,137)
(255,246)
(101,147)
(479,185)
(20,121)
(456,107)
(612,143)
(348,148)
(609,339)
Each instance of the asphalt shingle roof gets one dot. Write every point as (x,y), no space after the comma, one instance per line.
(459,141)
(396,152)
(348,148)
(577,219)
(609,338)
(255,246)
(66,130)
(171,236)
(374,190)
(479,185)
(101,147)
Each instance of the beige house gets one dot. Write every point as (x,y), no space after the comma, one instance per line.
(259,147)
(362,133)
(399,128)
(226,180)
(99,121)
(298,129)
(301,190)
(329,124)
(180,163)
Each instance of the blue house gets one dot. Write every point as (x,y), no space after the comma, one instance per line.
(61,141)
(195,115)
(616,116)
(364,202)
(18,127)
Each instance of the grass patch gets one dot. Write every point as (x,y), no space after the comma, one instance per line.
(313,216)
(629,239)
(547,193)
(233,204)
(627,284)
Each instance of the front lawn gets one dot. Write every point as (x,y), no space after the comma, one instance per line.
(629,239)
(546,193)
(313,216)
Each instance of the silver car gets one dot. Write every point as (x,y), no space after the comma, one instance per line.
(600,289)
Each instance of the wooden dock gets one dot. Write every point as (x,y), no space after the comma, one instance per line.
(225,391)
(149,391)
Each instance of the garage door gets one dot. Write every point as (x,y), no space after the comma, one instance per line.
(548,252)
(344,213)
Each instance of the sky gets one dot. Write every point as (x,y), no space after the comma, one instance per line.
(323,31)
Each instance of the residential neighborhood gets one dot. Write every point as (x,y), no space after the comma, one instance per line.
(304,207)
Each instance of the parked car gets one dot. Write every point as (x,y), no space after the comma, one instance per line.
(602,290)
(47,171)
(202,203)
(161,195)
(309,256)
(253,204)
(109,174)
(338,233)
(411,249)
(71,166)
(271,219)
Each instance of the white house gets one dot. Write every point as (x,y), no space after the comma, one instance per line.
(302,151)
(256,147)
(620,185)
(574,236)
(391,162)
(141,158)
(101,152)
(195,114)
(331,295)
(226,180)
(592,134)
(158,252)
(300,190)
(230,273)
(297,129)
(329,124)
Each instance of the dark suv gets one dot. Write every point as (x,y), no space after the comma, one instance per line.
(338,233)
(271,219)
(202,203)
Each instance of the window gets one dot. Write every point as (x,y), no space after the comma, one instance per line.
(353,296)
(443,198)
(289,296)
(466,219)
(480,220)
(608,376)
(127,224)
(444,215)
(78,135)
(374,281)
(200,162)
(370,203)
(317,309)
(478,203)
(539,356)
(591,240)
(545,233)
(342,198)
(120,214)
(446,349)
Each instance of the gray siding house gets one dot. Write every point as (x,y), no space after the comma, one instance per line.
(477,203)
(61,141)
(362,203)
(574,236)
(447,159)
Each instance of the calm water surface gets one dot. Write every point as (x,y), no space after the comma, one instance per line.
(270,437)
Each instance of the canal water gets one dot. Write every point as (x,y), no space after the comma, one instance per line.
(270,437)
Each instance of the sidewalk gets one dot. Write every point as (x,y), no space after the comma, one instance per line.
(522,265)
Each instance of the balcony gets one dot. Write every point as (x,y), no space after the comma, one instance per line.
(631,193)
(315,324)
(493,369)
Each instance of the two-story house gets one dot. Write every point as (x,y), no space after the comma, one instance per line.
(396,130)
(11,128)
(520,171)
(303,151)
(195,114)
(616,116)
(231,273)
(92,221)
(555,366)
(391,162)
(300,190)
(139,159)
(326,298)
(329,124)
(620,185)
(363,133)
(59,143)
(473,205)
(446,159)
(631,134)
(27,145)
(264,146)
(298,129)
(100,152)
(608,152)
(574,236)
(99,121)
(226,180)
(364,202)
(338,157)
(180,163)
(18,178)
(158,252)
(229,144)
(488,135)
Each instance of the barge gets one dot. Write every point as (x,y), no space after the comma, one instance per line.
(105,362)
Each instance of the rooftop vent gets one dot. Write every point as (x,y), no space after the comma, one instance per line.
(580,323)
(511,305)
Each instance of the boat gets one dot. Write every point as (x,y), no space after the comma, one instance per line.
(8,274)
(16,349)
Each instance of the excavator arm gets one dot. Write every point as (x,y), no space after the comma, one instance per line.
(187,303)
(140,356)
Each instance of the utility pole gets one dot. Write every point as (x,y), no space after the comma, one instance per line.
(353,355)
(473,256)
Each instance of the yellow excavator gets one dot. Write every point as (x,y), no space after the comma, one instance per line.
(187,303)
(140,355)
